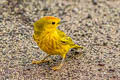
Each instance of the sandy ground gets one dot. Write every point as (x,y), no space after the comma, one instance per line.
(94,26)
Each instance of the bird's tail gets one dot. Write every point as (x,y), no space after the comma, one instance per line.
(77,47)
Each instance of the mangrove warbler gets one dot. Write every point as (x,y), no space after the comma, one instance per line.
(51,40)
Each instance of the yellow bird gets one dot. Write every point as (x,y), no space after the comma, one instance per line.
(51,40)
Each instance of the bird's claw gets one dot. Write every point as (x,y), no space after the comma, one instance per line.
(56,68)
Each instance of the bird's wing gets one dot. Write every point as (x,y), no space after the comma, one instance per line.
(64,38)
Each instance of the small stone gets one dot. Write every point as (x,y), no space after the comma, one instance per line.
(1,18)
(100,64)
(45,9)
(94,2)
(99,69)
(83,35)
(111,70)
(105,44)
(89,16)
(75,10)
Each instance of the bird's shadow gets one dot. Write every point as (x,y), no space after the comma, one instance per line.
(74,54)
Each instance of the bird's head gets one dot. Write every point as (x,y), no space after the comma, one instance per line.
(47,23)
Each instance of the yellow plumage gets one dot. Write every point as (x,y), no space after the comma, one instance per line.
(51,40)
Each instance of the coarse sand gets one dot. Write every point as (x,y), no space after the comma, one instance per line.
(94,24)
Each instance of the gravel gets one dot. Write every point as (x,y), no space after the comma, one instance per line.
(96,26)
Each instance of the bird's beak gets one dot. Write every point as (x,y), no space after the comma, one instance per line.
(61,22)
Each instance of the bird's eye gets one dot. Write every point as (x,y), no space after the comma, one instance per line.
(53,22)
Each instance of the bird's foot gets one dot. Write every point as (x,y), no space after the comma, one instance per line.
(56,68)
(39,62)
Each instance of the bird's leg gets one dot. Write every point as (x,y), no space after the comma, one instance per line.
(60,65)
(41,61)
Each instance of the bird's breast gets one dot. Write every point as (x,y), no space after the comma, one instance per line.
(48,42)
